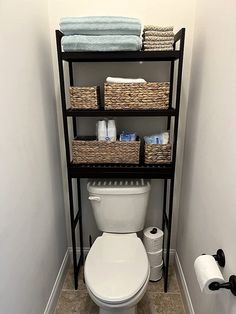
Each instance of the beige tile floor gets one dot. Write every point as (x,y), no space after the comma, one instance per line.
(154,301)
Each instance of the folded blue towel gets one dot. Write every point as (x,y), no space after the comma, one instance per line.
(101,43)
(100,25)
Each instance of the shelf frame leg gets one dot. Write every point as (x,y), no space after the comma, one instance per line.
(73,238)
(76,265)
(75,131)
(80,222)
(169,227)
(180,36)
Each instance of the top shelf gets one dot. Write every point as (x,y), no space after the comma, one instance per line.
(120,56)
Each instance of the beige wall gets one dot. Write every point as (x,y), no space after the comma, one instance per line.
(180,14)
(207,208)
(32,220)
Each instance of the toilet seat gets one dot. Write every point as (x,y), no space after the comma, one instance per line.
(119,259)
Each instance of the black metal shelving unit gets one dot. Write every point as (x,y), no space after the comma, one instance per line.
(166,172)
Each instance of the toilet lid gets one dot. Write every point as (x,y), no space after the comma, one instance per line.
(116,267)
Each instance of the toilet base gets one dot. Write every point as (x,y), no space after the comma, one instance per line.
(131,310)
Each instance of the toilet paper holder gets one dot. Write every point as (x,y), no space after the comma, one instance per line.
(231,285)
(219,257)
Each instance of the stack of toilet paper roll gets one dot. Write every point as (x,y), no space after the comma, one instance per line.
(153,239)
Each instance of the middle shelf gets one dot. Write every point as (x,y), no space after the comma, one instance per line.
(121,171)
(170,112)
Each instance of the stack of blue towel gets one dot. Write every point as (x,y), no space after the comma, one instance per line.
(101,33)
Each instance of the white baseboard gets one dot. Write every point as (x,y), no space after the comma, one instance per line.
(52,301)
(172,254)
(184,287)
(85,250)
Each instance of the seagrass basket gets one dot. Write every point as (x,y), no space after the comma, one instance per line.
(157,153)
(127,96)
(84,97)
(89,150)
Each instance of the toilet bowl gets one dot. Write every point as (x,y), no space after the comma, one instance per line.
(117,272)
(117,268)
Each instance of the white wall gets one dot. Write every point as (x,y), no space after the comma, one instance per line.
(180,14)
(32,223)
(207,208)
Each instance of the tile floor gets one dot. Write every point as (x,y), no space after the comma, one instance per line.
(155,300)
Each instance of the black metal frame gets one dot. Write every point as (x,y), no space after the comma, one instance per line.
(166,172)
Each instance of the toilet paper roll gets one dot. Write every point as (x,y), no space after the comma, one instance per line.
(156,272)
(207,271)
(153,241)
(155,258)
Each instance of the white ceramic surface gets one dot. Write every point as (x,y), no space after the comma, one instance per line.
(127,307)
(116,267)
(119,206)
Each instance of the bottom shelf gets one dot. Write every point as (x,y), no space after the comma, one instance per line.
(121,170)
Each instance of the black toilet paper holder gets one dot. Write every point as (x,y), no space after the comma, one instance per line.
(231,285)
(219,257)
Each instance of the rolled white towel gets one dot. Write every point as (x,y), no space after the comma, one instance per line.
(124,80)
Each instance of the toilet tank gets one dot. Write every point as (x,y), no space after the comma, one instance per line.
(119,206)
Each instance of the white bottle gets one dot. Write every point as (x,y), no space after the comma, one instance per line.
(102,130)
(111,130)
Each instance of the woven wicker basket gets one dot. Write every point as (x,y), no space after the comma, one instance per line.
(93,151)
(137,95)
(157,153)
(84,97)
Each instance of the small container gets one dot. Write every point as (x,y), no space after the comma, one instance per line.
(127,136)
(84,97)
(87,150)
(111,130)
(102,130)
(156,272)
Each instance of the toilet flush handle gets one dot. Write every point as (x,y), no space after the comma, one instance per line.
(94,198)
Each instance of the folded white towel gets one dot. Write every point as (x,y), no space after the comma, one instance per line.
(153,44)
(158,28)
(159,34)
(159,39)
(124,80)
(158,49)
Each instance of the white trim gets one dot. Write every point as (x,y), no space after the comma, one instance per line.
(53,298)
(172,253)
(186,295)
(86,250)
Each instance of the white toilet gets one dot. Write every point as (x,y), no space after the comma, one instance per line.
(117,268)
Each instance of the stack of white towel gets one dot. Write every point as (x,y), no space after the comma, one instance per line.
(101,33)
(121,80)
(158,38)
